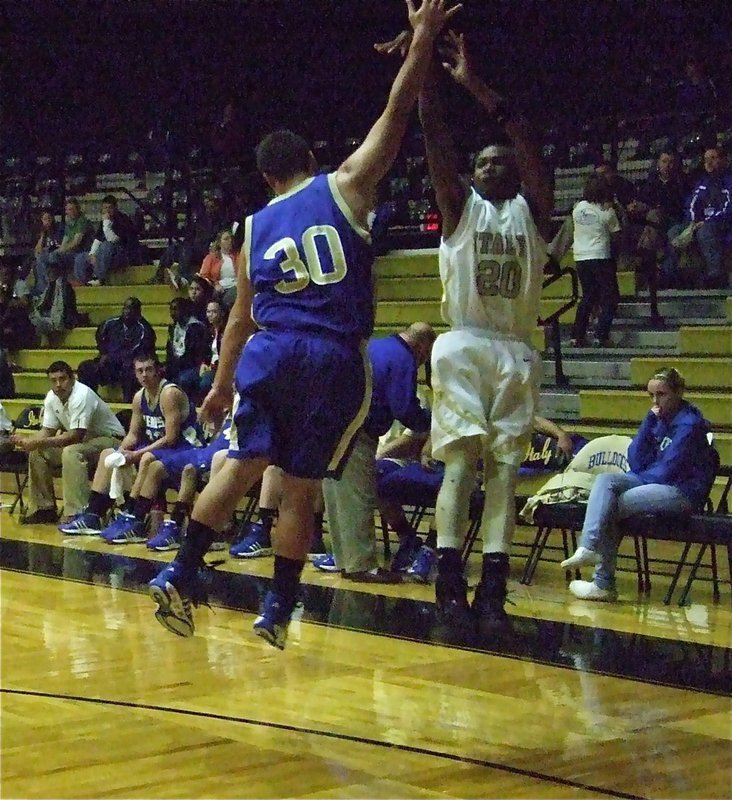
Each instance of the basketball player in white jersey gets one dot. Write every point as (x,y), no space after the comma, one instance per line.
(485,374)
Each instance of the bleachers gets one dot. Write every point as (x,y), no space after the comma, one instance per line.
(408,289)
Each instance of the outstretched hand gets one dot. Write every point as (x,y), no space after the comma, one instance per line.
(457,64)
(399,44)
(431,14)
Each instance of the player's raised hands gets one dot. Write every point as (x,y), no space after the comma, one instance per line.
(454,52)
(399,44)
(431,16)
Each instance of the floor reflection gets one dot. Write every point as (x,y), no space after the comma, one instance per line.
(578,647)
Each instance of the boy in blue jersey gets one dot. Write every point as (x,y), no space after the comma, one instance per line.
(162,417)
(180,469)
(305,281)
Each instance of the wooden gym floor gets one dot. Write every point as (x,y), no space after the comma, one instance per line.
(579,700)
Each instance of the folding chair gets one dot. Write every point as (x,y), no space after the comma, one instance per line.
(707,530)
(15,462)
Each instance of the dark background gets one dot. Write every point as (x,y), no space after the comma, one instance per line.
(118,72)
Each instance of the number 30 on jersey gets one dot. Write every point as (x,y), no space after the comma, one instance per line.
(299,273)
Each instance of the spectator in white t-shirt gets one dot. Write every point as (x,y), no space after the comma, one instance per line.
(77,425)
(221,268)
(596,228)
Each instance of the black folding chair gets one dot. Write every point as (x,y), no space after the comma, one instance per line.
(15,462)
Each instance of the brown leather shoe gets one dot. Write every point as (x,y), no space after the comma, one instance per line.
(378,575)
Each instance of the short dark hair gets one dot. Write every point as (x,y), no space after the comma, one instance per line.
(597,189)
(134,302)
(60,366)
(140,357)
(283,154)
(204,283)
(111,199)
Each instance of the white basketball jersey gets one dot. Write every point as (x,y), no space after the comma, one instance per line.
(492,268)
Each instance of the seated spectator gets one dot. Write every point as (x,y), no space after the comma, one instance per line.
(407,474)
(181,259)
(187,346)
(77,237)
(596,230)
(16,328)
(77,426)
(216,320)
(16,332)
(697,95)
(183,469)
(55,311)
(162,418)
(221,268)
(661,205)
(114,245)
(672,468)
(200,292)
(119,340)
(49,238)
(710,209)
(51,234)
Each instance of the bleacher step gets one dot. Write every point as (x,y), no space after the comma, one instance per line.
(683,307)
(624,339)
(559,405)
(600,372)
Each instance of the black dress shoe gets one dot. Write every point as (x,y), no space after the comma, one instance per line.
(43,516)
(377,575)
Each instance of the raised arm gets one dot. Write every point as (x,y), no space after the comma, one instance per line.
(360,173)
(442,159)
(531,168)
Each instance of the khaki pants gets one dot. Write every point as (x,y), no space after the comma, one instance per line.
(350,504)
(76,462)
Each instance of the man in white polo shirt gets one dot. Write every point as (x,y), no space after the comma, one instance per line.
(77,425)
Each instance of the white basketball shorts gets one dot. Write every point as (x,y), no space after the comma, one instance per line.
(484,386)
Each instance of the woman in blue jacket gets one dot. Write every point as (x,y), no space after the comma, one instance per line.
(672,468)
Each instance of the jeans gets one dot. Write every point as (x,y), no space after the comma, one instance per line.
(599,282)
(614,497)
(110,255)
(43,262)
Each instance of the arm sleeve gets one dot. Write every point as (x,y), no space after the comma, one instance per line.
(81,408)
(641,450)
(101,337)
(50,420)
(612,221)
(403,399)
(674,459)
(150,338)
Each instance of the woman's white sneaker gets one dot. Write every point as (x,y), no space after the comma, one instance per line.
(588,590)
(581,558)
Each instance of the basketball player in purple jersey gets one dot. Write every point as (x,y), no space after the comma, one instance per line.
(303,311)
